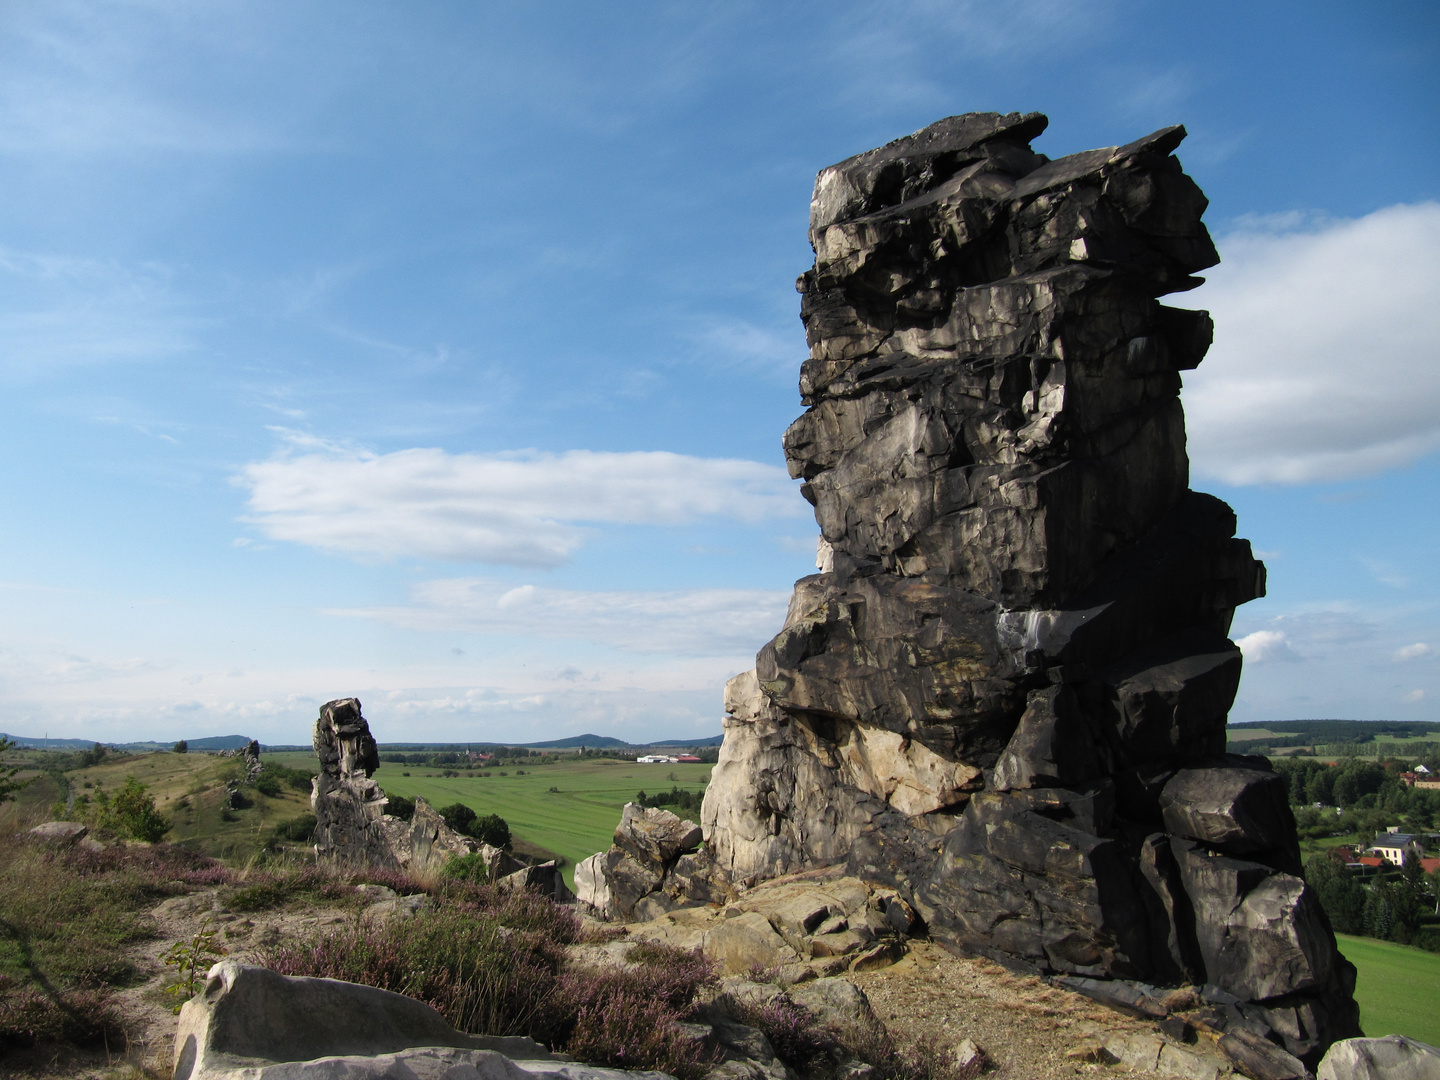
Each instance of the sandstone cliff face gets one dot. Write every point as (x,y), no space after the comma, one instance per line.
(1004,694)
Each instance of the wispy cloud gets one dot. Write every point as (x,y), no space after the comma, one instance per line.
(697,622)
(519,509)
(1326,361)
(1412,652)
(61,312)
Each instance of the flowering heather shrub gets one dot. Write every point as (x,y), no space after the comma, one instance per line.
(491,961)
(84,1016)
(629,1018)
(517,909)
(154,868)
(623,1028)
(479,975)
(794,1034)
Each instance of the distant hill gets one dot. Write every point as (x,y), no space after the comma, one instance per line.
(54,744)
(1333,731)
(219,742)
(213,742)
(605,742)
(598,741)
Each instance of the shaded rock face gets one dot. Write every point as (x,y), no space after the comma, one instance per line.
(1004,694)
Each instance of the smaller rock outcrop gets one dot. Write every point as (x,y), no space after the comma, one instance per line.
(811,925)
(249,1023)
(646,872)
(350,820)
(351,824)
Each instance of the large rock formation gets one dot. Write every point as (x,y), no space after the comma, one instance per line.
(1005,692)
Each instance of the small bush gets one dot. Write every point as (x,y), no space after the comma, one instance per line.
(129,812)
(473,868)
(400,807)
(490,829)
(300,830)
(261,896)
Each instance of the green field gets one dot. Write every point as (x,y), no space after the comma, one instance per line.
(574,822)
(1398,988)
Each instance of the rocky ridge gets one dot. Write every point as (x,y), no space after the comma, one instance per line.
(1003,696)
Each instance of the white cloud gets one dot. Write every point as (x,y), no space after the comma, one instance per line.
(698,622)
(1412,652)
(1326,361)
(1265,646)
(520,509)
(1414,697)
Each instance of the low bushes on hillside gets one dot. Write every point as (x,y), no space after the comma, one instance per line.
(489,829)
(677,799)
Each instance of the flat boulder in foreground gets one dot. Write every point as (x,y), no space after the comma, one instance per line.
(248,1023)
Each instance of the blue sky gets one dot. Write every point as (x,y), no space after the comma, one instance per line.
(439,353)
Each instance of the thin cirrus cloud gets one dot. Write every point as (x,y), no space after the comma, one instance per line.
(1412,652)
(1326,362)
(696,622)
(525,509)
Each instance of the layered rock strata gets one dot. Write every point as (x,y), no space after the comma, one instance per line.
(1005,692)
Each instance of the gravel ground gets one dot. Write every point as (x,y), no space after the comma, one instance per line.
(1023,1024)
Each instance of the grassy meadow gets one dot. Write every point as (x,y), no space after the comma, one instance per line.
(1398,988)
(573,822)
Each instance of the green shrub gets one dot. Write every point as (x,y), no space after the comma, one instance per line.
(400,807)
(129,812)
(300,830)
(268,784)
(490,829)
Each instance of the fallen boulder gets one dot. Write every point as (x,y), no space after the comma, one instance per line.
(1394,1057)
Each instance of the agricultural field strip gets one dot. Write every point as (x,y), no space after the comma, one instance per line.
(1398,988)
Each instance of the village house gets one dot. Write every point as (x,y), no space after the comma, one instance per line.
(1395,846)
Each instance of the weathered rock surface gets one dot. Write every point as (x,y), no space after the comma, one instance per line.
(252,1024)
(1394,1057)
(1004,694)
(59,833)
(625,882)
(350,820)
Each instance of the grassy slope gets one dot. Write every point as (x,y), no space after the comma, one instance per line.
(196,779)
(575,822)
(1398,988)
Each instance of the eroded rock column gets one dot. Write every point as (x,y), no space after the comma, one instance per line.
(1005,692)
